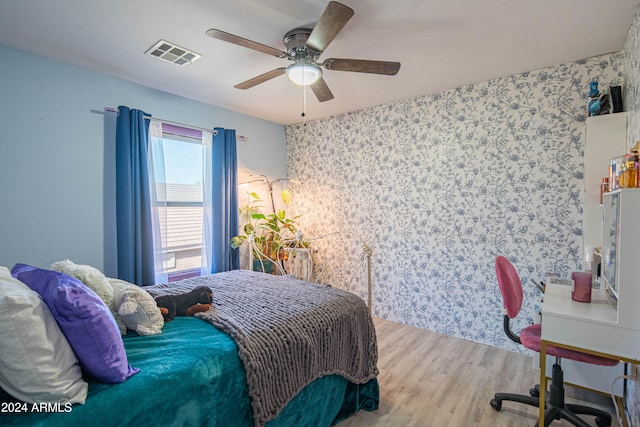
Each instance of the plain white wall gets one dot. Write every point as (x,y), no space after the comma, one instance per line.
(56,156)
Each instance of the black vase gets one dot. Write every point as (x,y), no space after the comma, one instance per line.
(616,98)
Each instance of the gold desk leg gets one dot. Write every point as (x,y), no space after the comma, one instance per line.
(543,382)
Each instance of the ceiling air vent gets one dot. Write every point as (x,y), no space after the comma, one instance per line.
(173,53)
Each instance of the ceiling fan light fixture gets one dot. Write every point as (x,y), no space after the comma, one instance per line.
(303,73)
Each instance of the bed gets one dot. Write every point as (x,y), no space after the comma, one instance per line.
(272,351)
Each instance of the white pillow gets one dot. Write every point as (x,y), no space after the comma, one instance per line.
(137,308)
(37,364)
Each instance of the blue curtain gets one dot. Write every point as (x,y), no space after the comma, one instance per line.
(133,199)
(224,213)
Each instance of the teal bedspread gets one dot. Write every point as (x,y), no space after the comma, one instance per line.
(191,375)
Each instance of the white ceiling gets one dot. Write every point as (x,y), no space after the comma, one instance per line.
(441,44)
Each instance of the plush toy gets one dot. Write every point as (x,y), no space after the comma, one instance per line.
(137,308)
(96,281)
(197,300)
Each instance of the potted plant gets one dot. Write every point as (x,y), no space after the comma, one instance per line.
(269,234)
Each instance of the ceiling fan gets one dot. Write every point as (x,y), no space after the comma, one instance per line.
(304,46)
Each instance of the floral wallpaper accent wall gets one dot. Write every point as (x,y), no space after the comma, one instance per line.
(440,184)
(631,88)
(631,98)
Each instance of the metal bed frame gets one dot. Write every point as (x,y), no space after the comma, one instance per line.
(300,245)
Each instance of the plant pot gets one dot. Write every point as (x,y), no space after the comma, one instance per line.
(264,266)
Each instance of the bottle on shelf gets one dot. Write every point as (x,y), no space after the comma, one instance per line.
(628,171)
(604,188)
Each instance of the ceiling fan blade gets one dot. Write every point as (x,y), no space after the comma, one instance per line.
(321,90)
(261,78)
(241,41)
(333,19)
(362,66)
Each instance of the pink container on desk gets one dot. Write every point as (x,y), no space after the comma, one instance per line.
(581,286)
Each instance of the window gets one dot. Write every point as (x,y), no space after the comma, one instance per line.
(177,160)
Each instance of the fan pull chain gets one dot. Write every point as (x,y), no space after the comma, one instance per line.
(304,103)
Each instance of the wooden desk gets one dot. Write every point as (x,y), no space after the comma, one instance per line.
(587,327)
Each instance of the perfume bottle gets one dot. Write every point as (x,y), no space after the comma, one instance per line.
(604,188)
(628,173)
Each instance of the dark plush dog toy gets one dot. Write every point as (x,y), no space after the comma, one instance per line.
(197,300)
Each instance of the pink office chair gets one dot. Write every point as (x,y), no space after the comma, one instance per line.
(555,407)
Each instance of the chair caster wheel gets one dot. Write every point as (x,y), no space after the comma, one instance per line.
(601,422)
(534,392)
(497,404)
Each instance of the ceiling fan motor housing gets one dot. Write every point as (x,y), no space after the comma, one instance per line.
(295,41)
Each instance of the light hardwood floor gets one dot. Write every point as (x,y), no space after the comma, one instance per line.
(428,379)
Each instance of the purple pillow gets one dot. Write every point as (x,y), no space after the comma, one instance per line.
(85,321)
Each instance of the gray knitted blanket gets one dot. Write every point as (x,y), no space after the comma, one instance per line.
(289,332)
